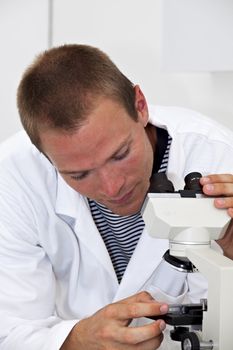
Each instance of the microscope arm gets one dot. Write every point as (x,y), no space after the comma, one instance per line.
(218,320)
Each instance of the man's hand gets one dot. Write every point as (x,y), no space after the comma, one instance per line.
(222,185)
(108,327)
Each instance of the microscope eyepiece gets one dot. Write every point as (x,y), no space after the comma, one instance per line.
(159,183)
(192,182)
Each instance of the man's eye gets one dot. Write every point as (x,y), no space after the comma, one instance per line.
(80,176)
(122,155)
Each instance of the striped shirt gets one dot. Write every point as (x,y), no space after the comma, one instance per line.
(121,233)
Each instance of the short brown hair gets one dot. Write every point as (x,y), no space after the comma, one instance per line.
(60,88)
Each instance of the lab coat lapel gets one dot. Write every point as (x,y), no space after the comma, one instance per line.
(89,235)
(74,209)
(145,259)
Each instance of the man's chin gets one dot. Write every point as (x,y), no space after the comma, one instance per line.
(125,210)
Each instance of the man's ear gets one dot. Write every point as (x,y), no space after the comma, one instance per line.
(141,106)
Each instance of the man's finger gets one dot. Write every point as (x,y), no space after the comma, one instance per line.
(218,189)
(126,311)
(135,335)
(216,178)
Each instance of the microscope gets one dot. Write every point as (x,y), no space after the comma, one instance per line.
(189,220)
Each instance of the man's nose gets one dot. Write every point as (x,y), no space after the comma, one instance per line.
(112,183)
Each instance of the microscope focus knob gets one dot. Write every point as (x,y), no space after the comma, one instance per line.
(190,341)
(178,333)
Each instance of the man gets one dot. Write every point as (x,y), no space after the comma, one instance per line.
(76,264)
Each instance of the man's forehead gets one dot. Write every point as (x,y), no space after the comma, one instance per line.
(82,151)
(81,168)
(104,131)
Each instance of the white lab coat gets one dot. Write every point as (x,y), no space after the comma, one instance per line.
(54,266)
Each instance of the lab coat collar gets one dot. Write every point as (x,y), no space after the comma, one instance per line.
(67,200)
(159,117)
(155,119)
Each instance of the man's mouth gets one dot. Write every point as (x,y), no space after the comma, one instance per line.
(123,199)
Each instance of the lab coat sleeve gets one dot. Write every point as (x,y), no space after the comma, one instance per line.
(27,285)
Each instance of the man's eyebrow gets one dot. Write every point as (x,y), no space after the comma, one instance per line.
(73,172)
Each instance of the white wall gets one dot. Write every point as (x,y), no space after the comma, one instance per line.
(197,35)
(130,31)
(23,34)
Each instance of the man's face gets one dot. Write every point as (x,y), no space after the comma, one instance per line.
(108,159)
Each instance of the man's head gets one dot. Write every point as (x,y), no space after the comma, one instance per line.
(90,121)
(61,88)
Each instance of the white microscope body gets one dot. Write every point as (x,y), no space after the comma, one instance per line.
(190,224)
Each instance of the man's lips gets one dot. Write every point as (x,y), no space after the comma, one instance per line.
(123,199)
